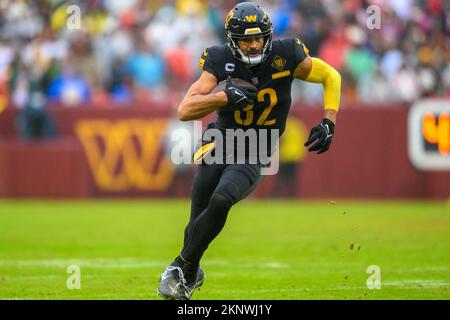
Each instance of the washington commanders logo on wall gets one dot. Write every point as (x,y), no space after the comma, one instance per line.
(126,155)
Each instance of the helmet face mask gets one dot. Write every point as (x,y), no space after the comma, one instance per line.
(248,20)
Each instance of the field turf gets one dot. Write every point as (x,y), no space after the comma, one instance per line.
(268,249)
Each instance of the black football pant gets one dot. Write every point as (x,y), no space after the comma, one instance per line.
(216,188)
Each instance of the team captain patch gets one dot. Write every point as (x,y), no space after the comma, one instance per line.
(279,63)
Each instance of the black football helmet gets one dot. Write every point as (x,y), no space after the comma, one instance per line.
(248,20)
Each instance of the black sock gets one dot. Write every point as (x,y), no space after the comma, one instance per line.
(189,269)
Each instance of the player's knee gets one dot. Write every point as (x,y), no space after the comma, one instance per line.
(219,202)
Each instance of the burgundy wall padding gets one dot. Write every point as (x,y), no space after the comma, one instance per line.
(368,158)
(45,169)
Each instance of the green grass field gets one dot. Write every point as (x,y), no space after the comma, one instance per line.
(268,249)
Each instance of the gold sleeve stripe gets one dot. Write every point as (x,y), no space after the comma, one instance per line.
(203,151)
(202,63)
(279,75)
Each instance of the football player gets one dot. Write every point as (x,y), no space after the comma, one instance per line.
(269,67)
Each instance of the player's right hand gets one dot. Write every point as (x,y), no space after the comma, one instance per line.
(239,95)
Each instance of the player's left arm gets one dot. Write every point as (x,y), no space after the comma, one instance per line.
(318,71)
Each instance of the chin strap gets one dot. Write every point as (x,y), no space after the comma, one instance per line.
(237,52)
(250,60)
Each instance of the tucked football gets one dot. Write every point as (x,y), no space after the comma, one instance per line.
(222,84)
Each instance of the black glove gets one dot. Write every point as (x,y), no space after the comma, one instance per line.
(239,95)
(323,133)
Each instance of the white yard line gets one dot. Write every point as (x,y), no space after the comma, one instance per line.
(125,263)
(417,283)
(118,295)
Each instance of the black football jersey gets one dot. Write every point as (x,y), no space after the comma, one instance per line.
(273,78)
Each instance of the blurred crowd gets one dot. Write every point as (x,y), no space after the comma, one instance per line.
(133,52)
